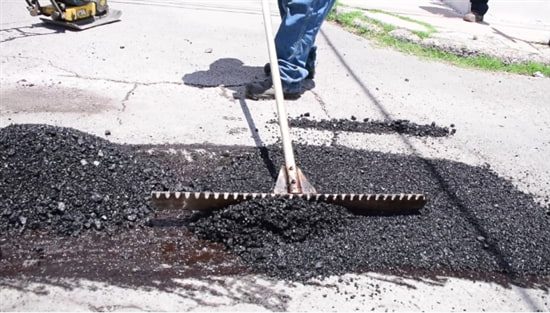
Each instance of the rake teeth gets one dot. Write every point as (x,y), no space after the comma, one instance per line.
(380,204)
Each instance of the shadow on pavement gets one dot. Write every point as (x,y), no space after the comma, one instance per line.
(226,72)
(438,10)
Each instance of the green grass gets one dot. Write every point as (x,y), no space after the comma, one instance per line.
(347,20)
(422,34)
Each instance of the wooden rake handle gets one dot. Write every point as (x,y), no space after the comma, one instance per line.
(294,185)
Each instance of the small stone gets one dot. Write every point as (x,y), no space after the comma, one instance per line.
(474,37)
(538,74)
(208,50)
(100,153)
(131,217)
(226,153)
(319,265)
(96,163)
(83,162)
(61,206)
(107,132)
(353,118)
(97,224)
(480,238)
(122,47)
(406,79)
(22,220)
(103,217)
(97,198)
(307,114)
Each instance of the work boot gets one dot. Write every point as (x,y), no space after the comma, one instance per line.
(310,75)
(473,17)
(264,90)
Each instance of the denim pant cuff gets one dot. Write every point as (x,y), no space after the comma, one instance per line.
(292,87)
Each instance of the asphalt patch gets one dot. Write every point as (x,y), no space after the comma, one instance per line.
(404,127)
(475,221)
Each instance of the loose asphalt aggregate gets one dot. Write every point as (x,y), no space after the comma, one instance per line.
(475,221)
(67,181)
(367,125)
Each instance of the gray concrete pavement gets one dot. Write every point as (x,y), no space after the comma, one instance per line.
(151,79)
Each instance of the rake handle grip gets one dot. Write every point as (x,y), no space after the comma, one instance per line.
(290,162)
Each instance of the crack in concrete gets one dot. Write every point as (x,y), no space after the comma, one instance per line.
(322,103)
(120,81)
(19,33)
(124,101)
(199,85)
(74,74)
(127,97)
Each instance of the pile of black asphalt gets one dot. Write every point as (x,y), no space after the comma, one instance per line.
(67,182)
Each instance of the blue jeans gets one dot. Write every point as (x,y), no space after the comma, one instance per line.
(301,21)
(479,6)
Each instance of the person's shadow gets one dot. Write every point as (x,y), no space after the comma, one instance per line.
(227,72)
(232,74)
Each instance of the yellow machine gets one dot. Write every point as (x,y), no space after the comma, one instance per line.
(75,14)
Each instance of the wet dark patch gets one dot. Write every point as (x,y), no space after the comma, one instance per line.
(38,99)
(404,127)
(150,256)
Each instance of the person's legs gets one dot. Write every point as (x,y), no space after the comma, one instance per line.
(477,11)
(310,64)
(281,5)
(295,39)
(479,7)
(323,10)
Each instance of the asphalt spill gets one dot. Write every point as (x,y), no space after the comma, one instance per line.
(404,127)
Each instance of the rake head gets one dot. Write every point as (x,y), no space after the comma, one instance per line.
(368,204)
